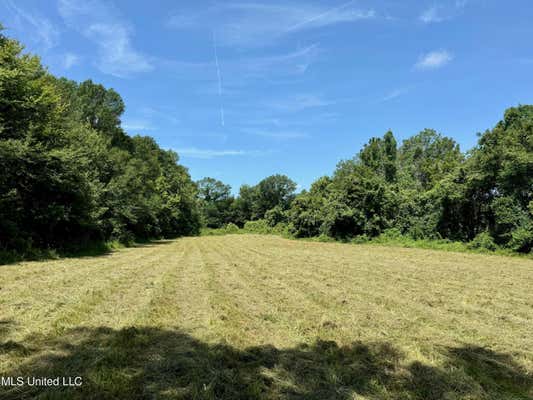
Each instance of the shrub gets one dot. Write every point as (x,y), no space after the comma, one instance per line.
(275,216)
(509,216)
(213,231)
(231,228)
(359,239)
(324,238)
(260,226)
(393,236)
(392,233)
(483,241)
(306,215)
(522,239)
(282,229)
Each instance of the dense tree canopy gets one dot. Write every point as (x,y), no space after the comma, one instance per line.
(273,193)
(428,189)
(70,174)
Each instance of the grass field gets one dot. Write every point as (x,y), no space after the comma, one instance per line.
(246,316)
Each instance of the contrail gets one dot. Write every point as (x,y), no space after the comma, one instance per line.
(219,80)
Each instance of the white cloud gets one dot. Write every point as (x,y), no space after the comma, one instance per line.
(277,133)
(431,15)
(394,94)
(318,118)
(70,60)
(299,102)
(137,125)
(295,62)
(117,56)
(96,20)
(258,24)
(194,152)
(168,113)
(442,12)
(434,60)
(333,16)
(39,27)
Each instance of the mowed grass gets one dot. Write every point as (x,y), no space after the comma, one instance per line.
(248,316)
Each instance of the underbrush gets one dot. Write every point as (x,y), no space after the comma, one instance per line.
(258,227)
(481,244)
(35,254)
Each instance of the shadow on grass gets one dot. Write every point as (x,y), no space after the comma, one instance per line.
(151,243)
(6,326)
(96,249)
(148,363)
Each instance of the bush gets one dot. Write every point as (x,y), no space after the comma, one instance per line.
(360,239)
(281,229)
(522,239)
(260,226)
(483,241)
(324,238)
(306,215)
(231,228)
(509,216)
(275,216)
(213,231)
(394,236)
(392,233)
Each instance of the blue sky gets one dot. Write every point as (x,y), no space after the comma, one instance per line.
(242,90)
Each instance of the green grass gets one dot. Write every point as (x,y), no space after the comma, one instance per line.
(262,317)
(435,244)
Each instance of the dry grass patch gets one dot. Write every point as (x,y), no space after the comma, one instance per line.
(246,316)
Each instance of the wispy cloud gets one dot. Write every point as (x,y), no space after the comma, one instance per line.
(137,125)
(317,118)
(241,70)
(279,134)
(194,152)
(294,62)
(258,24)
(442,12)
(299,102)
(42,29)
(167,113)
(70,60)
(97,21)
(334,15)
(431,15)
(394,94)
(117,56)
(434,60)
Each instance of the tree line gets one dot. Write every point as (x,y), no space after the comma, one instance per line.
(71,175)
(426,188)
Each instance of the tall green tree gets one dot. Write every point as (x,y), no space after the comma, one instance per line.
(428,157)
(215,202)
(275,190)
